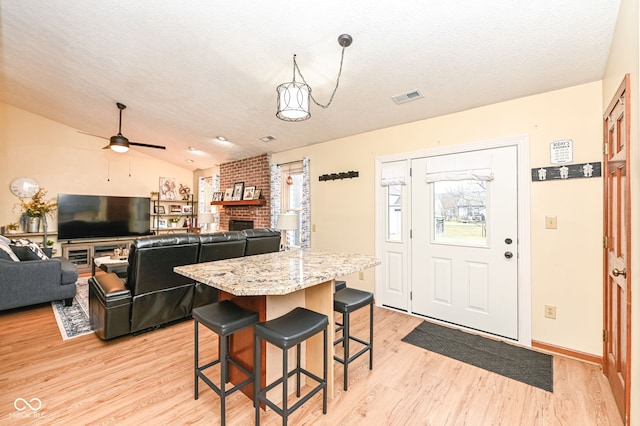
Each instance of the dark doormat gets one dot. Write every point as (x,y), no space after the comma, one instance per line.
(524,365)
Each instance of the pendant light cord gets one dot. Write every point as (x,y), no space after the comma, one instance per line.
(295,67)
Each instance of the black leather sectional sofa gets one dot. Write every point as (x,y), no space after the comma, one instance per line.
(153,295)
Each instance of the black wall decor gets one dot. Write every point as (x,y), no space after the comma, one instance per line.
(341,175)
(568,171)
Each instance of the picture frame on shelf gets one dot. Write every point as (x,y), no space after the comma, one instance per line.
(158,209)
(175,208)
(256,194)
(188,209)
(248,192)
(162,223)
(217,196)
(238,188)
(228,194)
(168,189)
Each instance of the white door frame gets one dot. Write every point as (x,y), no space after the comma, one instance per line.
(524,217)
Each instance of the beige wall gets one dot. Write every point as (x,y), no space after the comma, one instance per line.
(624,57)
(64,161)
(565,263)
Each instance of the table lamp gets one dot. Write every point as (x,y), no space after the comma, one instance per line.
(287,222)
(204,219)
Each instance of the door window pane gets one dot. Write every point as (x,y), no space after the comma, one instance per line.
(460,210)
(394,213)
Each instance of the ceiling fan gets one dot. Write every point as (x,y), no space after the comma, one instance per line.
(119,143)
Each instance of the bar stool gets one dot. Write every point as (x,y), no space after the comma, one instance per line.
(339,285)
(223,318)
(285,332)
(346,301)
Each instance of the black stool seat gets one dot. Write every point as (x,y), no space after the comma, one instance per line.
(351,299)
(292,328)
(285,332)
(339,285)
(223,318)
(346,301)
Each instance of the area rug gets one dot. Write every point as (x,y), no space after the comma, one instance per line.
(524,365)
(73,321)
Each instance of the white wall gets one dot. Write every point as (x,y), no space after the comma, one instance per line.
(566,263)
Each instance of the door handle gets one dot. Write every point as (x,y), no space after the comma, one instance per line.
(616,272)
(508,254)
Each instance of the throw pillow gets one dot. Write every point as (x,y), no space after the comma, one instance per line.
(7,254)
(36,251)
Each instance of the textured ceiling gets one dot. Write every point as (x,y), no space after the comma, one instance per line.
(191,70)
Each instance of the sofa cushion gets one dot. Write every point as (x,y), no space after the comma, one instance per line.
(27,250)
(7,253)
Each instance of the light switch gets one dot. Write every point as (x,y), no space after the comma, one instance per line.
(551,222)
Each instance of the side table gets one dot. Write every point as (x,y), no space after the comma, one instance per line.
(108,265)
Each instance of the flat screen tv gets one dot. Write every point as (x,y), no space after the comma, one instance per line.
(102,216)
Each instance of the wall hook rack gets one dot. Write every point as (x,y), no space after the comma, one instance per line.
(341,175)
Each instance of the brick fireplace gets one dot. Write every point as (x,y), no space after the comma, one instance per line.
(252,171)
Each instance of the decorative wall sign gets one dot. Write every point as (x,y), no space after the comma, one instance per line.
(571,171)
(562,151)
(341,175)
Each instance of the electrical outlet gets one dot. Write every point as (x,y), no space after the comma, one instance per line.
(361,275)
(550,311)
(551,222)
(313,228)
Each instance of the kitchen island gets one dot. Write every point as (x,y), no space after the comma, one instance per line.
(272,284)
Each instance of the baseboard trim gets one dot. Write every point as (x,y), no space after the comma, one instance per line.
(594,359)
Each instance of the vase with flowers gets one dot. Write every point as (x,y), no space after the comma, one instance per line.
(37,209)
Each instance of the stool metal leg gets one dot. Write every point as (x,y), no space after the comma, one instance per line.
(224,375)
(195,363)
(256,377)
(298,369)
(346,338)
(285,387)
(371,336)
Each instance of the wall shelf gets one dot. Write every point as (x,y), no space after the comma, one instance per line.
(259,202)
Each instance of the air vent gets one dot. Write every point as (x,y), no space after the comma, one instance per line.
(411,95)
(268,138)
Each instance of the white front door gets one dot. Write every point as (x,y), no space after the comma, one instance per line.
(464,246)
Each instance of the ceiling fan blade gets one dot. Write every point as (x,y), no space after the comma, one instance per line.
(90,134)
(146,145)
(106,147)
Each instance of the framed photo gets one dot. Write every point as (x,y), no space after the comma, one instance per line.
(162,223)
(256,194)
(168,189)
(188,209)
(249,192)
(158,209)
(238,187)
(175,208)
(217,196)
(228,194)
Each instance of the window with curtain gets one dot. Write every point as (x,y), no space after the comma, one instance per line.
(291,176)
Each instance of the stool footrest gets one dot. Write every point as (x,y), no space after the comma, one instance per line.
(320,386)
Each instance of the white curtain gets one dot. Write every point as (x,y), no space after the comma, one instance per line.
(394,173)
(453,168)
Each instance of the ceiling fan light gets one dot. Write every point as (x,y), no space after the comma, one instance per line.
(119,143)
(119,148)
(293,101)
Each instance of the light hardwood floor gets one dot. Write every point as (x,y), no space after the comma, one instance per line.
(148,379)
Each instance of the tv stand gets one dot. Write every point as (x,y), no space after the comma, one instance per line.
(80,253)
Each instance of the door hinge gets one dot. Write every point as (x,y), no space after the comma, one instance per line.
(410,233)
(605,242)
(605,336)
(410,295)
(410,171)
(605,148)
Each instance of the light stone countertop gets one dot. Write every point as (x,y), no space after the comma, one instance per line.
(276,273)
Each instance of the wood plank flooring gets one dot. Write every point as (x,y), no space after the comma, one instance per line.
(148,379)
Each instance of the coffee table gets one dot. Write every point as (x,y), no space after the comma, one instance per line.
(108,265)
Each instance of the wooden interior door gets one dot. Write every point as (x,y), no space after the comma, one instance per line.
(617,248)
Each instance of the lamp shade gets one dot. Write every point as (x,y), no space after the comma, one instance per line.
(205,217)
(293,101)
(288,221)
